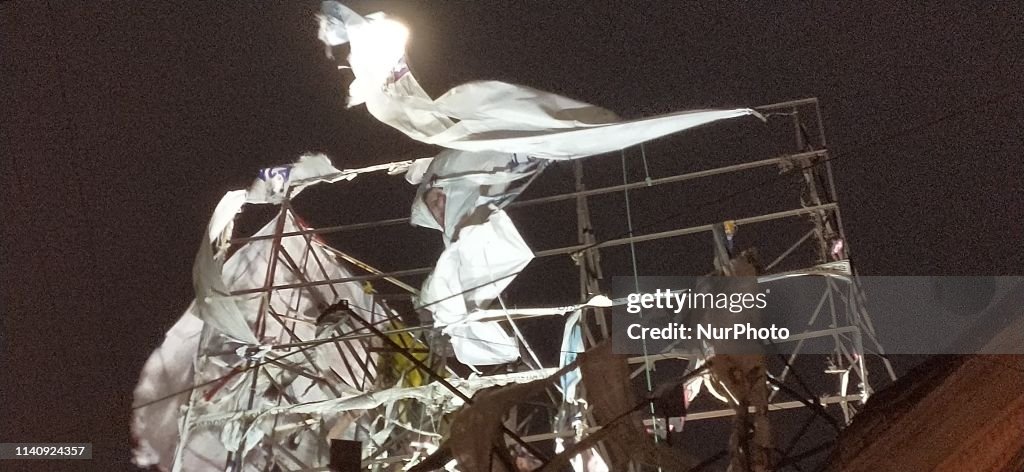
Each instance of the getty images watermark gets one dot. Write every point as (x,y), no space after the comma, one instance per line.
(818,313)
(677,302)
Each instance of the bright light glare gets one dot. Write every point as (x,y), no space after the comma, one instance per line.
(377,46)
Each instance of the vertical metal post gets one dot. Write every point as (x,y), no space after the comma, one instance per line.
(590,260)
(271,270)
(801,144)
(590,273)
(261,322)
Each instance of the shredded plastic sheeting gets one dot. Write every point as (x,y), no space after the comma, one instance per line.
(434,395)
(270,187)
(298,399)
(483,115)
(220,368)
(214,345)
(468,180)
(275,183)
(484,249)
(210,304)
(168,370)
(472,272)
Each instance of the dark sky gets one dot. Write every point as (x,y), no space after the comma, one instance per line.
(123,123)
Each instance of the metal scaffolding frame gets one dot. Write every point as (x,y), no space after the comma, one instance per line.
(840,314)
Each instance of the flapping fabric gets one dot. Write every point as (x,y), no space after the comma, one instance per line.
(469,275)
(167,371)
(469,180)
(213,305)
(483,115)
(225,384)
(273,184)
(213,345)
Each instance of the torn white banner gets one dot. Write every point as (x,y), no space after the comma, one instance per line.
(250,426)
(167,371)
(211,304)
(224,387)
(160,419)
(483,115)
(433,395)
(274,184)
(456,183)
(471,273)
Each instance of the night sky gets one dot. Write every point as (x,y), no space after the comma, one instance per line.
(122,124)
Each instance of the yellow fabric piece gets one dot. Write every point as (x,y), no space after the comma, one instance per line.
(403,368)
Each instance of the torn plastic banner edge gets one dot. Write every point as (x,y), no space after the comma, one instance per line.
(213,302)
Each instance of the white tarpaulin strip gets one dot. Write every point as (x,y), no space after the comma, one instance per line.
(318,374)
(274,183)
(483,115)
(168,370)
(432,394)
(211,307)
(471,273)
(571,347)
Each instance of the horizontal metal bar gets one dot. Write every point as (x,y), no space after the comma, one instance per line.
(325,230)
(557,251)
(703,415)
(674,178)
(685,231)
(560,197)
(315,283)
(789,104)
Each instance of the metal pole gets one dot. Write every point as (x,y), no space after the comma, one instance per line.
(559,251)
(690,230)
(590,262)
(567,196)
